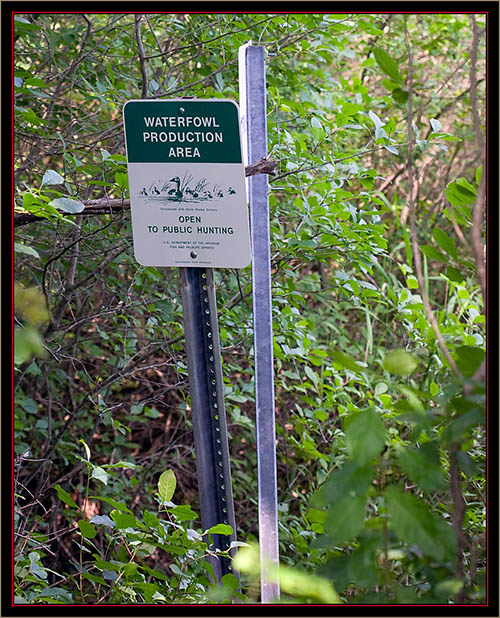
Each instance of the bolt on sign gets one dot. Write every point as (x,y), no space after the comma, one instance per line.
(187,183)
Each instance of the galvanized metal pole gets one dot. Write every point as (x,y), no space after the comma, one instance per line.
(208,411)
(252,78)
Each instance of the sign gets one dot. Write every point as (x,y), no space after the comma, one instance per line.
(187,183)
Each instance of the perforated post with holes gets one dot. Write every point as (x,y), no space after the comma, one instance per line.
(208,411)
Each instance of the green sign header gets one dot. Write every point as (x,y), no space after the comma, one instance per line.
(182,131)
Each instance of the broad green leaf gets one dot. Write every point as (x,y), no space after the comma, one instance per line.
(247,560)
(388,65)
(316,122)
(433,254)
(445,242)
(365,436)
(28,404)
(460,194)
(93,578)
(465,186)
(315,516)
(20,248)
(345,519)
(435,124)
(352,479)
(99,474)
(423,466)
(35,566)
(124,520)
(469,359)
(151,520)
(230,581)
(361,566)
(103,520)
(298,583)
(351,108)
(414,523)
(183,512)
(30,305)
(454,274)
(121,179)
(292,581)
(52,178)
(412,282)
(67,204)
(220,529)
(149,590)
(346,361)
(392,149)
(376,120)
(155,573)
(35,81)
(27,343)
(65,497)
(24,24)
(400,95)
(312,375)
(400,362)
(467,464)
(235,544)
(114,503)
(114,565)
(448,588)
(87,529)
(166,485)
(30,117)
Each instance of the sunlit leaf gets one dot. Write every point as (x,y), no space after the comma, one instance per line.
(87,529)
(400,362)
(67,204)
(52,178)
(166,485)
(388,65)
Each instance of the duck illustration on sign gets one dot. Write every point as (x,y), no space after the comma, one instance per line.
(186,190)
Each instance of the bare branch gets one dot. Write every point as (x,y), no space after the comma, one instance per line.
(264,166)
(106,206)
(142,56)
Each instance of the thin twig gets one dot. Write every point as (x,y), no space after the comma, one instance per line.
(478,213)
(413,225)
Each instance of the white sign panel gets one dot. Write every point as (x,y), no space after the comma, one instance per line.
(187,183)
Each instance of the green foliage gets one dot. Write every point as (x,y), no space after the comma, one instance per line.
(166,485)
(414,523)
(297,586)
(378,438)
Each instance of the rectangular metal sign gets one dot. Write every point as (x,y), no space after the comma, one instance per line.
(187,183)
